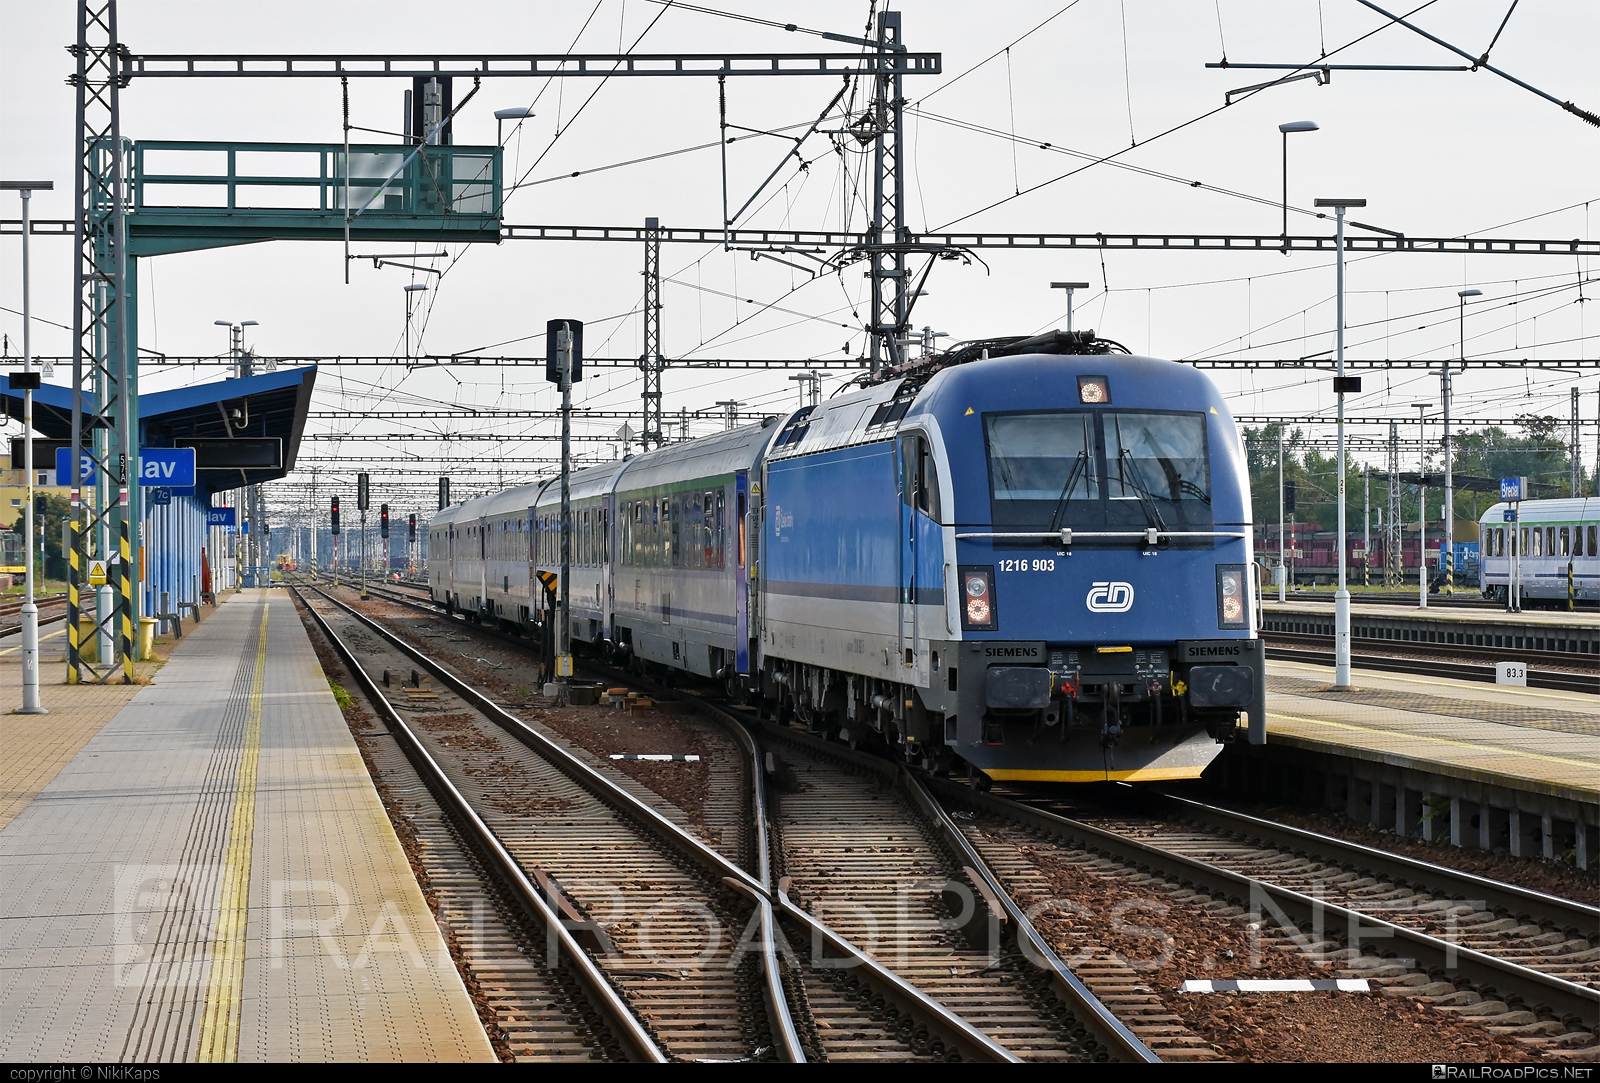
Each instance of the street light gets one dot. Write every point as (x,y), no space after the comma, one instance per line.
(1341,384)
(28,382)
(1422,504)
(519,112)
(1069,287)
(1292,126)
(415,287)
(1449,555)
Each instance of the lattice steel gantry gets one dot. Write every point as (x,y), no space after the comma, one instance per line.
(104,410)
(652,362)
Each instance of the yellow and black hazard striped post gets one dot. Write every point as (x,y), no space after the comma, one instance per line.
(125,579)
(1572,594)
(74,577)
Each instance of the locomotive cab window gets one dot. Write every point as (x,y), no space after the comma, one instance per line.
(1100,469)
(919,481)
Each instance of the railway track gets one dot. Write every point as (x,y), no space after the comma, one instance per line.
(1408,598)
(50,612)
(10,607)
(1517,959)
(1318,650)
(614,840)
(1460,651)
(1524,963)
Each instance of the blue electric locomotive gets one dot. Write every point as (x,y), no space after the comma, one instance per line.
(1028,556)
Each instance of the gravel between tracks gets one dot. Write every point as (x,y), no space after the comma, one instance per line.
(1167,935)
(506,673)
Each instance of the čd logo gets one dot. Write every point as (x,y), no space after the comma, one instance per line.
(1110,598)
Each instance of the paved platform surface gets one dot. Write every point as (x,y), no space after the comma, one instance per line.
(212,878)
(1520,738)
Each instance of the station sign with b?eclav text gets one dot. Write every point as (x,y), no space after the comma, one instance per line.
(172,467)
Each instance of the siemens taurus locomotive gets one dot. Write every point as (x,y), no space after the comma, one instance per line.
(1032,558)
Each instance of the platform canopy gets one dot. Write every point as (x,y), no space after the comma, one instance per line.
(244,431)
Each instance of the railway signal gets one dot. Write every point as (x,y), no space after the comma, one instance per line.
(444,493)
(411,529)
(383,521)
(363,495)
(333,527)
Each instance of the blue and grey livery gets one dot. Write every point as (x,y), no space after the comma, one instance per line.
(1036,565)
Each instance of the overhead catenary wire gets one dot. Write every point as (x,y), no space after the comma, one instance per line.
(1173,129)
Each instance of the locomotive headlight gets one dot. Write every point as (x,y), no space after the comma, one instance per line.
(977,599)
(1231,596)
(1094,390)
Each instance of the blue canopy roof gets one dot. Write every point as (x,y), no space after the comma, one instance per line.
(272,405)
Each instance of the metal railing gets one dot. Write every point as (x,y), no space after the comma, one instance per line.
(309,178)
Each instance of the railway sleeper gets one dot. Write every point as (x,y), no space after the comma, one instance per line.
(1394,977)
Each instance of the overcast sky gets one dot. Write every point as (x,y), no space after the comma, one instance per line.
(1434,153)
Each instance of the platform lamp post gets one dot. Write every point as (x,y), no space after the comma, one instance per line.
(236,344)
(1291,126)
(27,381)
(519,112)
(1342,384)
(1448,555)
(413,288)
(1069,287)
(1422,504)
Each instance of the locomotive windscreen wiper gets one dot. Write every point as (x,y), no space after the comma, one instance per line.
(1140,487)
(1078,467)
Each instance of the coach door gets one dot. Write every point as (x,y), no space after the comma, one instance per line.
(603,555)
(907,593)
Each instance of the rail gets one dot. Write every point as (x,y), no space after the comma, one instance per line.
(1562,913)
(610,1005)
(956,1034)
(1294,908)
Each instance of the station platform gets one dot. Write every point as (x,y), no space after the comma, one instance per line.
(209,875)
(1481,765)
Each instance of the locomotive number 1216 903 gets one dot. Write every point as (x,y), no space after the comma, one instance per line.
(1046,564)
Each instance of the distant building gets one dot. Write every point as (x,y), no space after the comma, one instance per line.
(14,490)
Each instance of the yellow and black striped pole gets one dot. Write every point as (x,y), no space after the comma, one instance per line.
(125,579)
(1571,591)
(74,577)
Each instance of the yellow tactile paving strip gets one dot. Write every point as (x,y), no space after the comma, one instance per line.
(112,877)
(219,1030)
(1438,739)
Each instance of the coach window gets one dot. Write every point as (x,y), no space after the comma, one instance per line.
(1594,541)
(721,538)
(675,552)
(1566,542)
